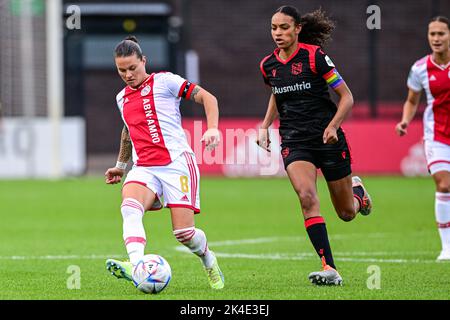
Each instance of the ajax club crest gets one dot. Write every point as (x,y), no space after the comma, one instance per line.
(146,90)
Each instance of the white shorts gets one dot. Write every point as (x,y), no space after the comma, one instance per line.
(175,185)
(438,156)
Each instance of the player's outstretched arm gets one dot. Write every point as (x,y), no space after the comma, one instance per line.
(114,175)
(212,136)
(409,110)
(263,139)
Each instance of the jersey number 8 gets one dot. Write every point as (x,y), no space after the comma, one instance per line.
(184,184)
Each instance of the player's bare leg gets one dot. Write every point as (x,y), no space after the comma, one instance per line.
(183,226)
(349,196)
(344,202)
(442,211)
(303,176)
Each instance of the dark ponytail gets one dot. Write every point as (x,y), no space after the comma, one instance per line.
(128,47)
(316,26)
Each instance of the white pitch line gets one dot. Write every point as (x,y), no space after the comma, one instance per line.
(356,235)
(311,256)
(245,241)
(308,256)
(62,257)
(385,253)
(273,256)
(294,238)
(343,256)
(338,236)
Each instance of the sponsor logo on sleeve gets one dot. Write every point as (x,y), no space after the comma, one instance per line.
(329,62)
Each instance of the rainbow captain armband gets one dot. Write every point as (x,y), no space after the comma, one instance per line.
(333,78)
(121,165)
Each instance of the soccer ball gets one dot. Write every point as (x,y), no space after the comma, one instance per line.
(152,274)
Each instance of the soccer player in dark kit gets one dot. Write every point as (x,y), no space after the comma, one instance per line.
(299,74)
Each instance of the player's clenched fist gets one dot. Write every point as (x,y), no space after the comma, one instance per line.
(330,136)
(400,128)
(114,175)
(263,139)
(211,138)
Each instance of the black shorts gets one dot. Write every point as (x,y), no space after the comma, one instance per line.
(334,160)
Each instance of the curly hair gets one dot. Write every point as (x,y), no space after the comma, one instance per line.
(316,26)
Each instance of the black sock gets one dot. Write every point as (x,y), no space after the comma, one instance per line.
(358,193)
(317,232)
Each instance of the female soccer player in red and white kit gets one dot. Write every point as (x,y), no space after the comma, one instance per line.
(164,164)
(432,74)
(299,74)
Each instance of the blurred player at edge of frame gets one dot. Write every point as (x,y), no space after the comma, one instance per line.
(432,74)
(299,73)
(164,163)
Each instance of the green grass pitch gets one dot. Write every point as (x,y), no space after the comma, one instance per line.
(51,231)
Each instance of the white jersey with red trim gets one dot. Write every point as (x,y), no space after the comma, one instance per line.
(435,80)
(152,116)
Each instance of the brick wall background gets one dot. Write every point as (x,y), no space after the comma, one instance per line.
(231,37)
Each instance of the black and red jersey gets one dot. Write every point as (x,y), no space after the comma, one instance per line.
(300,86)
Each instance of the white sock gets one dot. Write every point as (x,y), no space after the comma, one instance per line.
(195,240)
(442,210)
(133,229)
